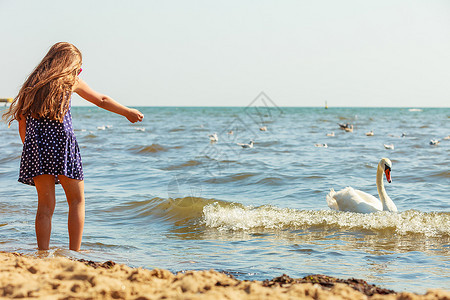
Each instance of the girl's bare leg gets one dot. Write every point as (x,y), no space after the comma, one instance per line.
(74,190)
(45,187)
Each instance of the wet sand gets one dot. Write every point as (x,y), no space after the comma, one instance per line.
(61,278)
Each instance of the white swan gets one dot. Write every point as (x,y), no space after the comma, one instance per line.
(353,200)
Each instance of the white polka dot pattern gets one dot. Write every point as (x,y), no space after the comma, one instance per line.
(50,147)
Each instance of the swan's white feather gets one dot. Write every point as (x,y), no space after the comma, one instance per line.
(350,199)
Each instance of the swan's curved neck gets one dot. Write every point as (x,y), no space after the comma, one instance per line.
(384,198)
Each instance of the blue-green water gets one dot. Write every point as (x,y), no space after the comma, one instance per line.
(159,194)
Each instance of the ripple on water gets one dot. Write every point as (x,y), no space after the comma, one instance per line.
(151,149)
(188,164)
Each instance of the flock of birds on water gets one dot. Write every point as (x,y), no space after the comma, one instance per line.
(213,138)
(349,128)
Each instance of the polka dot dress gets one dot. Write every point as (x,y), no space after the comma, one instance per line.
(50,147)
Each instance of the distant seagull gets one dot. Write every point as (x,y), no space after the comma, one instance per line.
(101,127)
(264,128)
(230,132)
(213,138)
(370,133)
(321,145)
(397,136)
(349,129)
(330,134)
(344,126)
(434,142)
(391,146)
(139,128)
(249,145)
(447,137)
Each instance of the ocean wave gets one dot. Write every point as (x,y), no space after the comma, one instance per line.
(177,211)
(177,129)
(232,216)
(443,174)
(90,136)
(268,143)
(153,148)
(271,181)
(232,178)
(10,157)
(187,164)
(237,218)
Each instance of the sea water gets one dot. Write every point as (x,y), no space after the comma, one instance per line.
(159,194)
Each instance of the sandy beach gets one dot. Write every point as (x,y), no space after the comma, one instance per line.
(61,278)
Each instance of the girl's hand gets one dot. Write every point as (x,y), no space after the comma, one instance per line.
(134,115)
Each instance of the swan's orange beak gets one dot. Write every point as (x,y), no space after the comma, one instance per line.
(388,174)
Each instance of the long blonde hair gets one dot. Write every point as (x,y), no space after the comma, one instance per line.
(47,90)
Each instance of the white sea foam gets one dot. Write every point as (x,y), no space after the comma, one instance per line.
(269,217)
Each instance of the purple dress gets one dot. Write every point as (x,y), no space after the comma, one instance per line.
(50,147)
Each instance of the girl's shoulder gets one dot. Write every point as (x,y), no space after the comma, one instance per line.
(81,86)
(76,84)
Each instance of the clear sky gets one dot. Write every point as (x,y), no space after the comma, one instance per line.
(221,53)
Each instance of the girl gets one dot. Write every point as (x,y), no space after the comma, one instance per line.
(50,151)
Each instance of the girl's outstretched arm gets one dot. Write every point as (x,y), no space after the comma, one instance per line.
(106,102)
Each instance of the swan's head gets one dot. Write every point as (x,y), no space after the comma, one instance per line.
(386,165)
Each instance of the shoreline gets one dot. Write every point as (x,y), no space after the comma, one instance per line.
(58,278)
